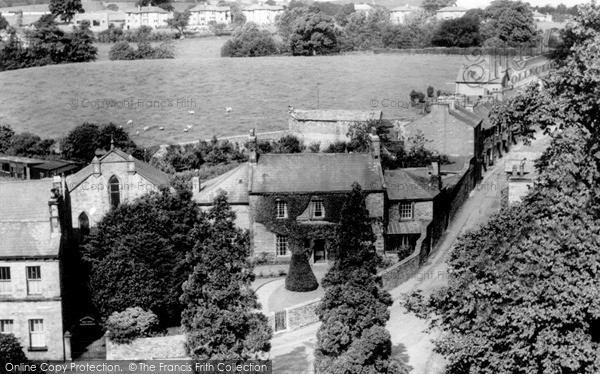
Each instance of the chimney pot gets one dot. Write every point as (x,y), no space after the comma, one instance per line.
(96,166)
(131,165)
(375,144)
(195,184)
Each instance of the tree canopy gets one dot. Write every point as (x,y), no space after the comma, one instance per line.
(432,6)
(179,21)
(82,142)
(65,9)
(509,23)
(249,40)
(221,320)
(354,310)
(313,34)
(461,32)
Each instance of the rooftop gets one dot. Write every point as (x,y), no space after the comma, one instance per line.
(315,172)
(263,7)
(146,9)
(208,7)
(234,182)
(405,8)
(22,160)
(410,184)
(336,115)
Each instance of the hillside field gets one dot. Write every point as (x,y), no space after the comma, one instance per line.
(51,100)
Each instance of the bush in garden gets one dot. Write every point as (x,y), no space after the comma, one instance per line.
(130,324)
(301,277)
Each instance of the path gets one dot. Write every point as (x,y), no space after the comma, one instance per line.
(293,352)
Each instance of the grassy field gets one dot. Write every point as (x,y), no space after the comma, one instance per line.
(51,100)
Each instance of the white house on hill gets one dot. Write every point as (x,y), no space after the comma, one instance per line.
(204,14)
(152,16)
(450,12)
(262,14)
(398,14)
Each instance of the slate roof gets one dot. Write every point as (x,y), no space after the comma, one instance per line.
(208,8)
(25,219)
(315,172)
(22,160)
(465,116)
(234,182)
(405,227)
(483,111)
(263,7)
(56,164)
(405,8)
(150,173)
(409,184)
(336,115)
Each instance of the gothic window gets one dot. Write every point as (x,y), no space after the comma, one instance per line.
(114,191)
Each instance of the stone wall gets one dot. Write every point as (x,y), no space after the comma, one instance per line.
(302,314)
(323,132)
(460,192)
(162,347)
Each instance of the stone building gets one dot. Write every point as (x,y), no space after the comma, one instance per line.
(114,178)
(205,14)
(16,167)
(34,230)
(521,174)
(293,200)
(398,14)
(327,126)
(150,16)
(262,14)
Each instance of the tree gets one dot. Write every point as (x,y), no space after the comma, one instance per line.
(137,253)
(221,320)
(81,44)
(3,23)
(249,41)
(6,135)
(84,140)
(365,32)
(510,23)
(461,32)
(354,310)
(65,9)
(179,21)
(431,6)
(341,17)
(288,144)
(164,4)
(11,352)
(300,277)
(29,145)
(286,21)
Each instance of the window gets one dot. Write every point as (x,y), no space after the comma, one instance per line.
(114,191)
(6,326)
(5,285)
(281,243)
(36,333)
(84,224)
(281,209)
(318,209)
(406,211)
(95,23)
(34,280)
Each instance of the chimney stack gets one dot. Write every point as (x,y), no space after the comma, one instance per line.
(130,165)
(252,147)
(522,168)
(436,179)
(55,199)
(96,166)
(375,145)
(195,184)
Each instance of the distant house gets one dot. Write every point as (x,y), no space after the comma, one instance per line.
(101,20)
(151,16)
(16,167)
(327,126)
(540,17)
(108,181)
(24,15)
(450,12)
(262,14)
(293,200)
(34,229)
(398,14)
(205,14)
(363,8)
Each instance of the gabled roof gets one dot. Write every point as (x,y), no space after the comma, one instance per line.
(337,115)
(146,9)
(409,184)
(315,172)
(234,182)
(465,116)
(405,8)
(55,164)
(210,8)
(150,173)
(25,219)
(19,159)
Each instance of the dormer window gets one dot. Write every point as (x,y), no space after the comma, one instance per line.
(281,209)
(318,209)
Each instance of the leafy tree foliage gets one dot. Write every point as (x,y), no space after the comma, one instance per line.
(365,32)
(179,21)
(136,255)
(65,9)
(24,144)
(249,41)
(164,4)
(432,6)
(145,51)
(417,31)
(288,144)
(510,23)
(313,34)
(220,317)
(3,23)
(285,22)
(11,352)
(84,140)
(132,323)
(354,310)
(461,32)
(300,277)
(523,289)
(341,17)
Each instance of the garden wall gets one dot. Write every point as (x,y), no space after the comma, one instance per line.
(162,347)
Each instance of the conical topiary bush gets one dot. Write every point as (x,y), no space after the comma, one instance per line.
(300,278)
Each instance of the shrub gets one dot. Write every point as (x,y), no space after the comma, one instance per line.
(314,147)
(10,351)
(130,324)
(336,147)
(110,35)
(122,51)
(250,41)
(301,277)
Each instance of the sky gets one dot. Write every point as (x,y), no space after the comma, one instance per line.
(484,3)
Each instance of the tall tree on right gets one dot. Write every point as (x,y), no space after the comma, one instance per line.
(354,310)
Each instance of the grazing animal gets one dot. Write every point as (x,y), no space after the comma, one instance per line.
(120,126)
(189,127)
(190,112)
(185,130)
(146,128)
(161,128)
(130,122)
(137,133)
(228,109)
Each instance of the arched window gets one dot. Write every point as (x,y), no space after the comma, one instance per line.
(84,224)
(114,193)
